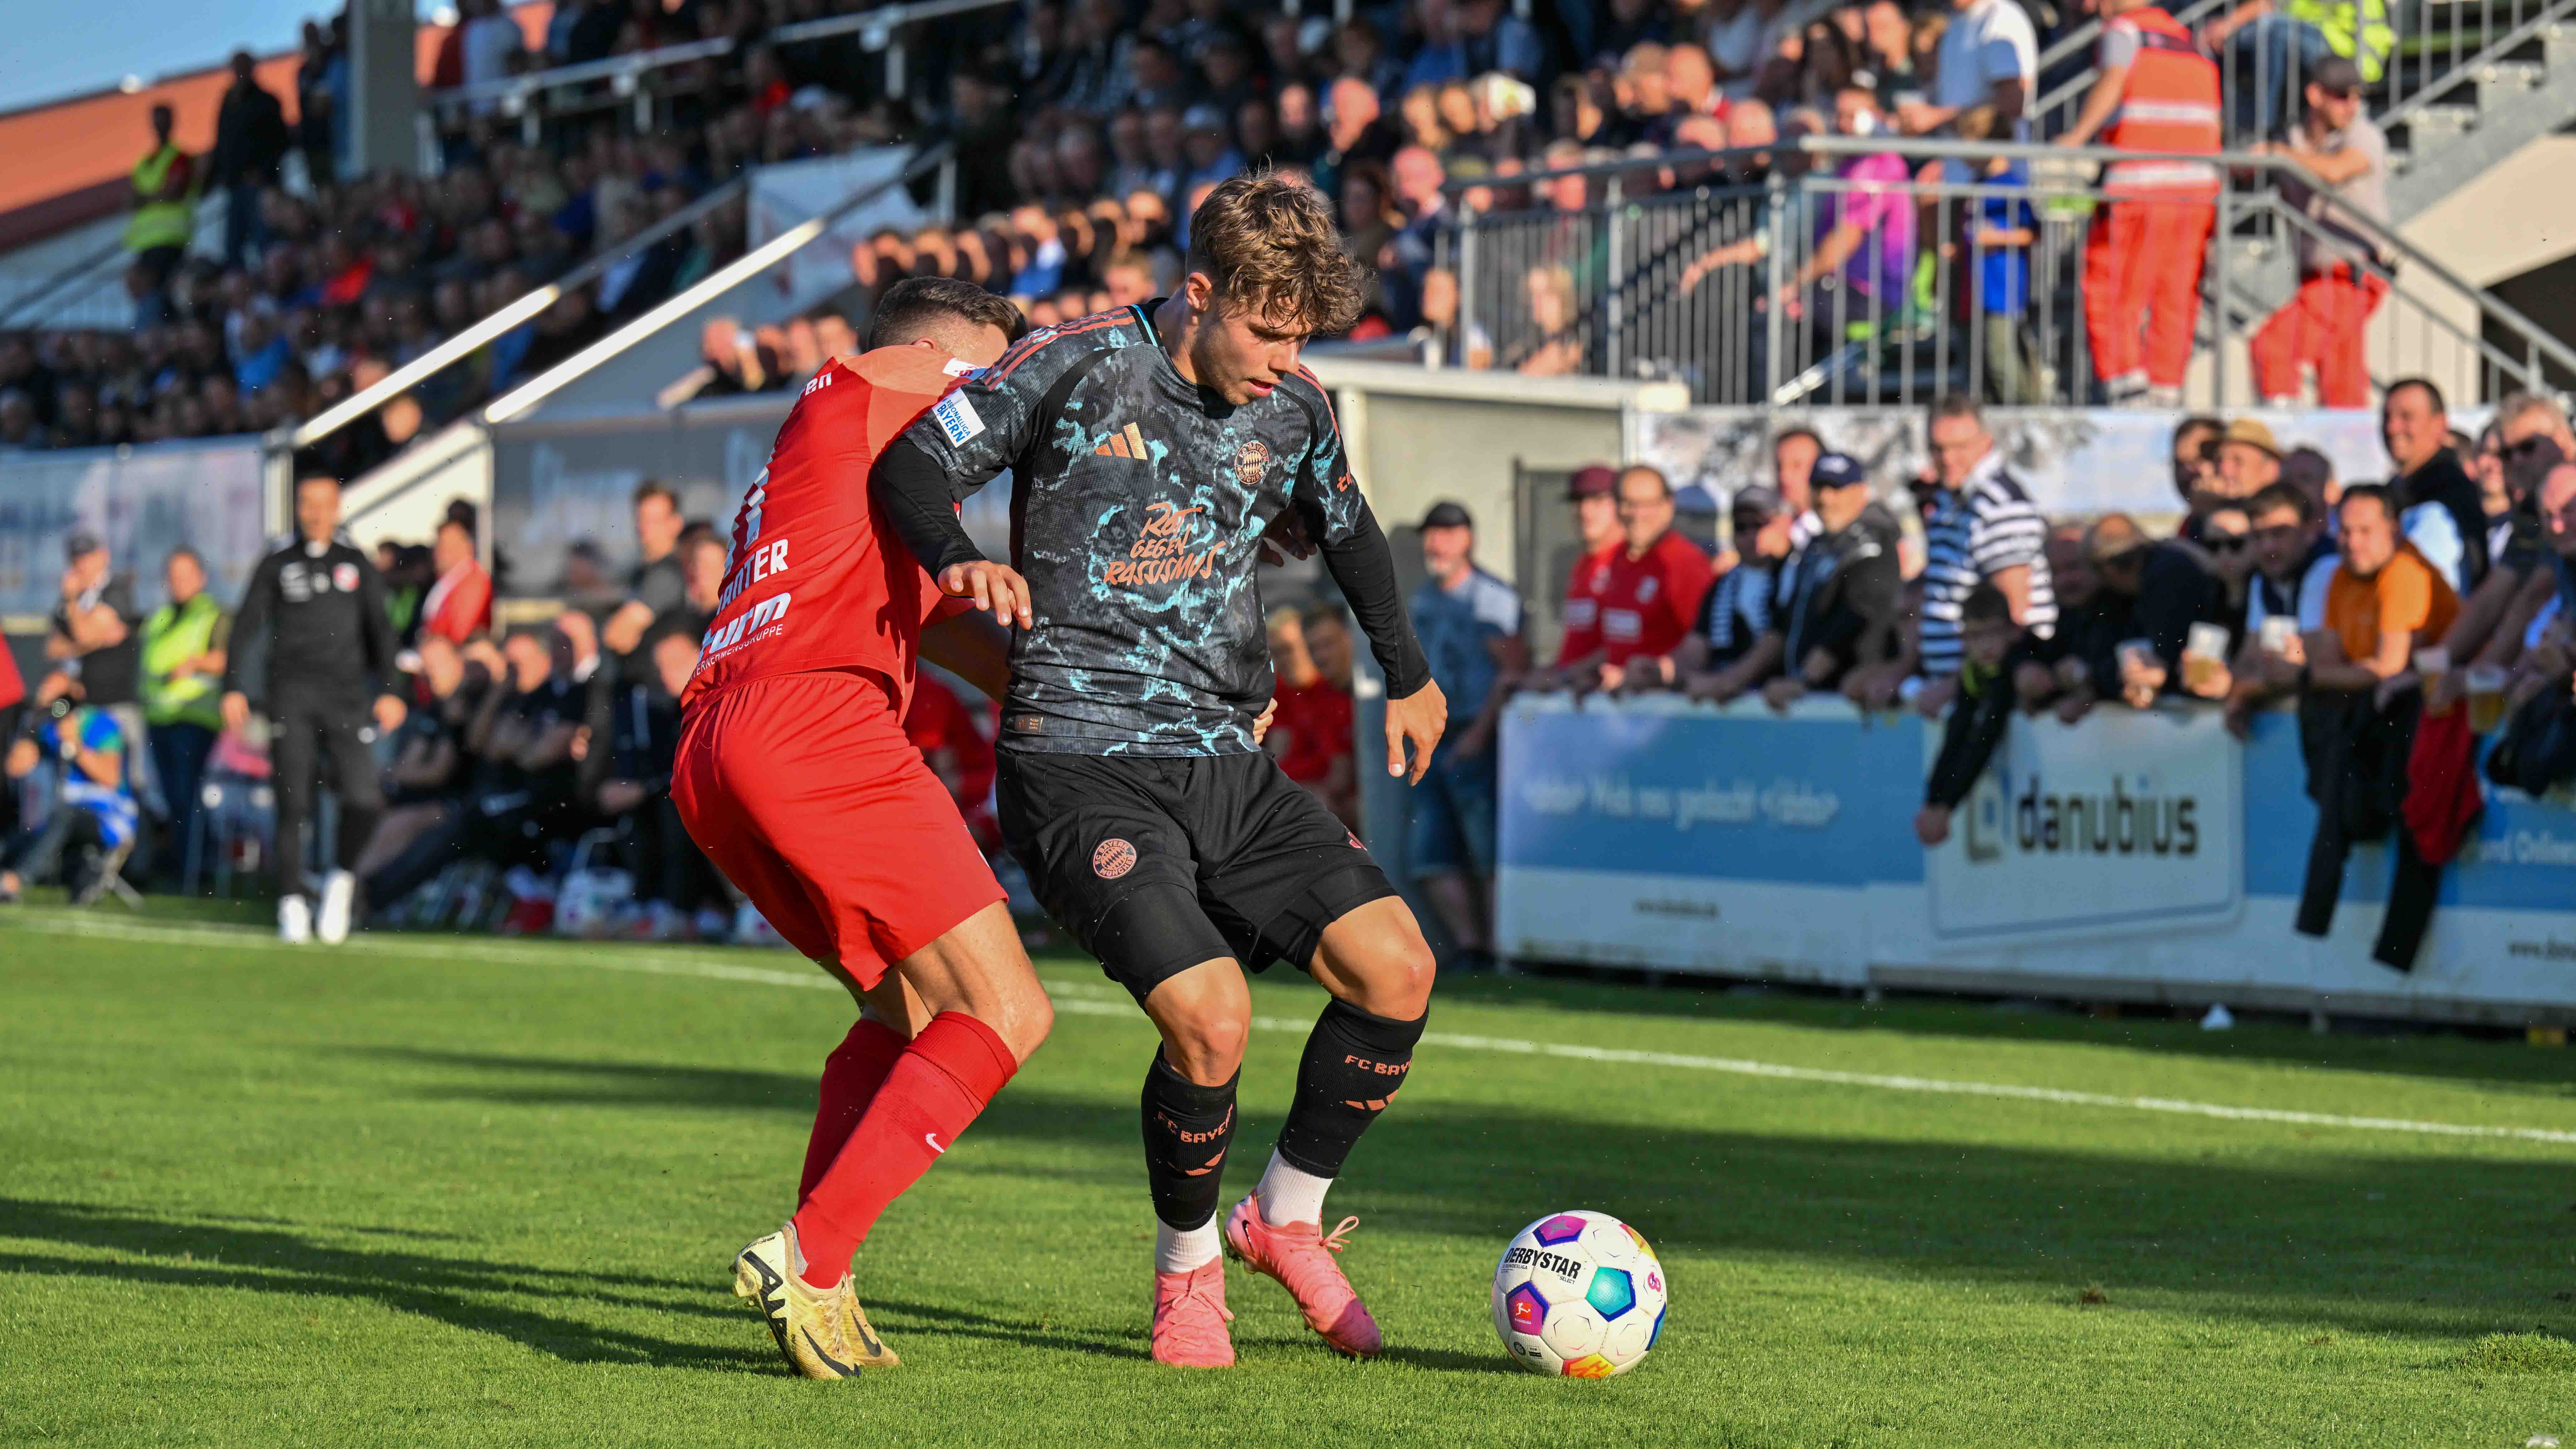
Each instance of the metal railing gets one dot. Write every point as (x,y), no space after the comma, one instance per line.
(636,79)
(2436,50)
(1992,283)
(465,344)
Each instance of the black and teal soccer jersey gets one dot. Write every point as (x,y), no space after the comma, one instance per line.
(1138,507)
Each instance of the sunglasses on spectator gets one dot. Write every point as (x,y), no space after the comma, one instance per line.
(2523,449)
(2225,542)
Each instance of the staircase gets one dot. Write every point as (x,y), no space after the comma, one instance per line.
(2468,84)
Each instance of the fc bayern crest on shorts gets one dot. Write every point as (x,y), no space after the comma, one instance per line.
(1113,858)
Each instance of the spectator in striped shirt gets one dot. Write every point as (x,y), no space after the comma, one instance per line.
(1978,526)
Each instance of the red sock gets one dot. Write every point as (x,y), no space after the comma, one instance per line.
(851,1076)
(936,1088)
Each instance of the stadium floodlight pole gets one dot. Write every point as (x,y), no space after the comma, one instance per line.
(366,400)
(750,264)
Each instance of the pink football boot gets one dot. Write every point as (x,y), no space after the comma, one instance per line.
(1190,1318)
(1301,1258)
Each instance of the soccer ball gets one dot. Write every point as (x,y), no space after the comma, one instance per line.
(1578,1294)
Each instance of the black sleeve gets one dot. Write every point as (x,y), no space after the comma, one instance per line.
(918,500)
(1867,595)
(375,625)
(1363,566)
(1968,739)
(246,663)
(2174,595)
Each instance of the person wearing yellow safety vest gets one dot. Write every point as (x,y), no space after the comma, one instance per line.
(183,673)
(2273,46)
(165,213)
(2142,259)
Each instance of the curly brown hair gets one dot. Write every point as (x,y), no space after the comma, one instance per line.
(1269,246)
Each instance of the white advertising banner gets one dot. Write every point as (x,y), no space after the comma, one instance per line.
(2125,824)
(797,191)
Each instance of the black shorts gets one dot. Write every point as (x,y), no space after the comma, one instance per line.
(1157,864)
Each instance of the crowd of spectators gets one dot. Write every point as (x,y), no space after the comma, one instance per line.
(2401,618)
(533,764)
(1085,134)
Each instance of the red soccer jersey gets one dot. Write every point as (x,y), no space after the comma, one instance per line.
(1583,603)
(816,580)
(1651,602)
(1317,721)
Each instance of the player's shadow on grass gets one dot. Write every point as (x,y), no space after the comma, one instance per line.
(462,1292)
(2441,1244)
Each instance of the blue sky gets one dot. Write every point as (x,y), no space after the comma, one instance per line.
(76,48)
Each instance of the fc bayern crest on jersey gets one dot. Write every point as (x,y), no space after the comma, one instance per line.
(1113,858)
(344,577)
(1646,590)
(1250,462)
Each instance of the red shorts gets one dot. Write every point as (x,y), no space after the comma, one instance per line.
(805,793)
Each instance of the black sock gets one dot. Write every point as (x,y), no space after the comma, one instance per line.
(1187,1129)
(1353,1065)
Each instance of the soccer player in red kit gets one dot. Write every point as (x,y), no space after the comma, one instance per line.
(794,774)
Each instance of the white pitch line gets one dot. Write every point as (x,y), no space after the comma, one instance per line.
(1084,1000)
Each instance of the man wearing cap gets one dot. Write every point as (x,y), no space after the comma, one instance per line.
(96,639)
(2339,286)
(1657,579)
(1469,622)
(1594,492)
(2249,461)
(2439,505)
(1735,619)
(1839,605)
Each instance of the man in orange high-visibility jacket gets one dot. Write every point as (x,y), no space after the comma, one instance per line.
(2143,259)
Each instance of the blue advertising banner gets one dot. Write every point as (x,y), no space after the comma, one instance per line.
(2148,851)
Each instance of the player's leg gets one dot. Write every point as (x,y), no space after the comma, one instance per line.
(987,1015)
(294,747)
(1204,1014)
(362,803)
(1325,905)
(1110,862)
(890,1014)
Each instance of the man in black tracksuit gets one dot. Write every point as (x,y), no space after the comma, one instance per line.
(312,645)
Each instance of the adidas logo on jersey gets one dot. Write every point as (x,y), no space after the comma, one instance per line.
(1125,443)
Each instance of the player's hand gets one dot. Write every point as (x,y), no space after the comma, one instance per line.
(1417,719)
(236,709)
(581,750)
(1935,697)
(997,589)
(1261,721)
(1285,539)
(1932,824)
(390,712)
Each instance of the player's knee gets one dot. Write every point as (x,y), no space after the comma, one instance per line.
(1207,1046)
(1397,981)
(1031,1018)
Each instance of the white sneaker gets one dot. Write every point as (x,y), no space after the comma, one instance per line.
(294,920)
(339,893)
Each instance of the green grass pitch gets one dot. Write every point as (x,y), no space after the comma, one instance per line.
(426,1191)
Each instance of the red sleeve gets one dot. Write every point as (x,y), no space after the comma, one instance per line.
(1688,577)
(12,687)
(1586,639)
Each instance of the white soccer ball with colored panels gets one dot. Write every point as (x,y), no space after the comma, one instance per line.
(1578,1295)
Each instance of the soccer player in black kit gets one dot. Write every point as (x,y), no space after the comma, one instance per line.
(1152,447)
(313,649)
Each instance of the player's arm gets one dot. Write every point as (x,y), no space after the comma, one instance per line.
(971,646)
(246,661)
(1356,554)
(920,500)
(967,438)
